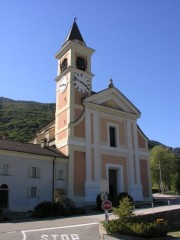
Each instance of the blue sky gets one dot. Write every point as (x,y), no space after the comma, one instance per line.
(137,44)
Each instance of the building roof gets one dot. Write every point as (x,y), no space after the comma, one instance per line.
(30,148)
(74,34)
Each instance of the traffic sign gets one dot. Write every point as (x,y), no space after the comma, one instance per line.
(104,196)
(106,205)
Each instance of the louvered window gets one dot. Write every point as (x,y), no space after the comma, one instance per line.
(59,174)
(4,169)
(34,172)
(33,192)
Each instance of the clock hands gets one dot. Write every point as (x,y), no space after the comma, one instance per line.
(83,84)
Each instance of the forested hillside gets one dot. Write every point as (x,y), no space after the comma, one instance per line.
(19,120)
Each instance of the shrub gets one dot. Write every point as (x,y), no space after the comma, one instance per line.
(43,209)
(149,230)
(125,211)
(49,209)
(120,196)
(144,230)
(155,190)
(125,224)
(58,209)
(69,205)
(112,226)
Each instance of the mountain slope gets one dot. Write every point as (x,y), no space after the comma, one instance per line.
(19,120)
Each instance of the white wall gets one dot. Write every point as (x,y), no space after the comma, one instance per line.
(18,180)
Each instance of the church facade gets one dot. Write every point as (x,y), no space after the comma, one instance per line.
(101,147)
(98,131)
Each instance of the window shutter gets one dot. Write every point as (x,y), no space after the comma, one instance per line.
(28,192)
(38,192)
(56,174)
(30,172)
(62,174)
(9,169)
(1,168)
(38,172)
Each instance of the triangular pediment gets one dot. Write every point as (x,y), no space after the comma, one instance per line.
(112,98)
(111,104)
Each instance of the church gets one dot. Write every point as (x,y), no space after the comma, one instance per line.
(93,145)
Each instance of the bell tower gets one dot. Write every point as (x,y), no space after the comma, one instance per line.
(73,82)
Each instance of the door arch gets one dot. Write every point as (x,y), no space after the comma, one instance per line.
(4,196)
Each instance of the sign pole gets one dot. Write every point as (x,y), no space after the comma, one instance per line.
(106,205)
(106,216)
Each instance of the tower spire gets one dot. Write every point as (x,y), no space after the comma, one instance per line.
(74,34)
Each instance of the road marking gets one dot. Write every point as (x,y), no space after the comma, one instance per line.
(11,232)
(53,228)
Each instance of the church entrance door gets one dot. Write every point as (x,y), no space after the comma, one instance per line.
(113,182)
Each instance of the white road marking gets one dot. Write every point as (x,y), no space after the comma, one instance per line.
(53,228)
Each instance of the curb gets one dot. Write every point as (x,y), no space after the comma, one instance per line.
(102,231)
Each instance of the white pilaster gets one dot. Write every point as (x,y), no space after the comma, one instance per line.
(139,193)
(97,168)
(136,153)
(88,146)
(92,187)
(135,188)
(130,154)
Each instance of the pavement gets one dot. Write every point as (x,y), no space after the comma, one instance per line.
(173,202)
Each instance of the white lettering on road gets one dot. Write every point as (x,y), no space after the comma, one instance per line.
(54,237)
(62,237)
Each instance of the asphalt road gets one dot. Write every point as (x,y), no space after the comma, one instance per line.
(74,228)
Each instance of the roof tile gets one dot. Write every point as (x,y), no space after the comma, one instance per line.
(30,148)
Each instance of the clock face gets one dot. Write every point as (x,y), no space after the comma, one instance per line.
(81,82)
(62,85)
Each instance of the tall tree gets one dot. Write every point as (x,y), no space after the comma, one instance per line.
(162,166)
(176,174)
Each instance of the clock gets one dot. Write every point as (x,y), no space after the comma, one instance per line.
(62,85)
(81,82)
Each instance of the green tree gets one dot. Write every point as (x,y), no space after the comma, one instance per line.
(176,174)
(162,162)
(125,211)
